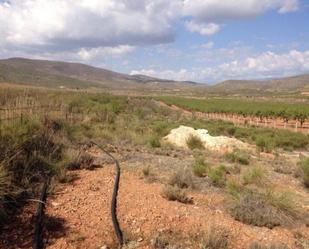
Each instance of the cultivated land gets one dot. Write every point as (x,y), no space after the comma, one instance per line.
(169,197)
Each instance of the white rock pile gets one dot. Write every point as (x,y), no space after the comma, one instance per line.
(179,137)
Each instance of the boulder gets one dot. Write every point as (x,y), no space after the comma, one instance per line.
(179,137)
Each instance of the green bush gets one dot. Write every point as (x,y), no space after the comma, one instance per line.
(237,157)
(305,171)
(254,175)
(155,142)
(264,144)
(218,176)
(199,167)
(194,142)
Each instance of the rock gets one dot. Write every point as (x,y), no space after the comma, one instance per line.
(179,137)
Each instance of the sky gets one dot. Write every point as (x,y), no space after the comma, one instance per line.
(205,41)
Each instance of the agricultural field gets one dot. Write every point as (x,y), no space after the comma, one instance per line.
(253,107)
(254,196)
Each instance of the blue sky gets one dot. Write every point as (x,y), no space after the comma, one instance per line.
(199,40)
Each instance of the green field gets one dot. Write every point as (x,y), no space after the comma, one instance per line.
(286,111)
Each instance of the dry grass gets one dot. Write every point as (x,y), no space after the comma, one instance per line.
(255,175)
(257,245)
(215,238)
(182,179)
(262,209)
(173,193)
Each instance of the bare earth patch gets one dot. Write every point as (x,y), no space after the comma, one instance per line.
(143,212)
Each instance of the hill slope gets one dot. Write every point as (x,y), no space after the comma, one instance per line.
(288,84)
(74,75)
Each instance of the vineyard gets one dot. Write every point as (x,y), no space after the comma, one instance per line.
(259,109)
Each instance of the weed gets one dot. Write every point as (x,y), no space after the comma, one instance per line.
(236,157)
(195,142)
(257,245)
(146,171)
(155,142)
(215,238)
(262,209)
(253,176)
(199,167)
(218,176)
(182,179)
(173,193)
(304,165)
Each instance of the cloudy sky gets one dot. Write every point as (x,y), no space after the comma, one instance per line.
(198,40)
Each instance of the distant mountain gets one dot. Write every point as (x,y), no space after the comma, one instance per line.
(75,75)
(287,84)
(57,74)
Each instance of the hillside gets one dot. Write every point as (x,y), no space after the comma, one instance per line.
(294,83)
(55,74)
(75,75)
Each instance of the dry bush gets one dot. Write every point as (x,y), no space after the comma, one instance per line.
(173,193)
(255,175)
(215,238)
(182,179)
(82,161)
(262,209)
(257,245)
(167,240)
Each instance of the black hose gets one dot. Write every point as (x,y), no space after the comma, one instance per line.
(38,233)
(114,197)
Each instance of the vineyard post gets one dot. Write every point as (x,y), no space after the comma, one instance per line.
(296,126)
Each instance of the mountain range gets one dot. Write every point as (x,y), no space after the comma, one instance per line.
(57,74)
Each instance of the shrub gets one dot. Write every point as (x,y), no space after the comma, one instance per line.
(257,245)
(195,142)
(199,167)
(5,182)
(264,144)
(262,209)
(146,171)
(215,238)
(182,179)
(253,176)
(155,142)
(305,171)
(173,193)
(217,176)
(236,157)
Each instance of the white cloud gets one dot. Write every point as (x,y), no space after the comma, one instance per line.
(208,15)
(202,28)
(208,45)
(217,11)
(67,24)
(89,54)
(264,65)
(40,25)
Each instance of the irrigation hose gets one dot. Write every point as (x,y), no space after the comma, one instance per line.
(38,232)
(116,225)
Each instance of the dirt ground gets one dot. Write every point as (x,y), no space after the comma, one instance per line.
(84,208)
